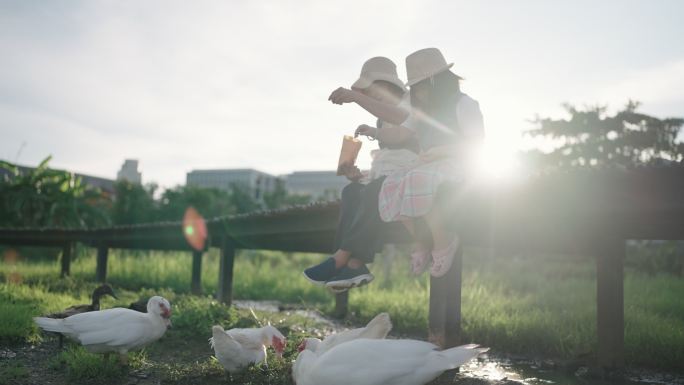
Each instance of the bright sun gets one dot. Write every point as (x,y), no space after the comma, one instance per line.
(497,160)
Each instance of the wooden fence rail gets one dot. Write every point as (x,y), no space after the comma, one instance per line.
(589,212)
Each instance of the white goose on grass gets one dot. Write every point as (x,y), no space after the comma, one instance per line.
(377,328)
(235,349)
(116,330)
(380,362)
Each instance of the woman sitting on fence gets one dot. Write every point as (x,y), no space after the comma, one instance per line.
(449,127)
(360,229)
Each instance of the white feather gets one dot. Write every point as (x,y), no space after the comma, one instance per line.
(377,328)
(235,349)
(380,362)
(112,330)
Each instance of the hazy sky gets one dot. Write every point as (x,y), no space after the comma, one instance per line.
(185,85)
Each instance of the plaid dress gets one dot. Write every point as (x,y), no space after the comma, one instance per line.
(410,192)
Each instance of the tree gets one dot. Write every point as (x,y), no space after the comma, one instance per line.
(209,202)
(44,197)
(591,138)
(49,198)
(279,197)
(242,199)
(133,203)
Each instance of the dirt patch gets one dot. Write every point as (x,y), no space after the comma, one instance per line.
(35,360)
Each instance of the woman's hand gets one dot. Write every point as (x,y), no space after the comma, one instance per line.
(352,173)
(343,95)
(366,130)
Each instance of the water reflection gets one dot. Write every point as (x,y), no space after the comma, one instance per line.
(498,370)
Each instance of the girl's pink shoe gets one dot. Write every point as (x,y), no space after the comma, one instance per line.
(442,259)
(419,261)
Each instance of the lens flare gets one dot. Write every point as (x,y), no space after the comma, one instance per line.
(189,230)
(11,258)
(194,229)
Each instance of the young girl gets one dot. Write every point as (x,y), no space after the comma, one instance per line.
(448,125)
(360,229)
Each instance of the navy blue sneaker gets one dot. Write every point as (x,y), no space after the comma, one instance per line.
(322,272)
(348,278)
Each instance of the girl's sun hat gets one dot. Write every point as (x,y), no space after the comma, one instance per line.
(378,68)
(425,63)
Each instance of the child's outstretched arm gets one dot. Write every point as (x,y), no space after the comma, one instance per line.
(385,112)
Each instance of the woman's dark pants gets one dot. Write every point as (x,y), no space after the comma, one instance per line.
(360,229)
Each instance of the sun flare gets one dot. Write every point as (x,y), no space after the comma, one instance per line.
(497,160)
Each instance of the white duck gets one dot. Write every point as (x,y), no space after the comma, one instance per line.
(380,362)
(237,348)
(377,328)
(116,330)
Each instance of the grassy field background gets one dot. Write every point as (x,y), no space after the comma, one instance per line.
(527,304)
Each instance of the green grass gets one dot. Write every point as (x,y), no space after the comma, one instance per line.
(78,364)
(182,356)
(258,275)
(532,305)
(12,373)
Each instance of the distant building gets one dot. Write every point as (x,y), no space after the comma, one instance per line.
(129,172)
(104,184)
(317,184)
(255,181)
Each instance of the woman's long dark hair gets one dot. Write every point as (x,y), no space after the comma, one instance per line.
(441,88)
